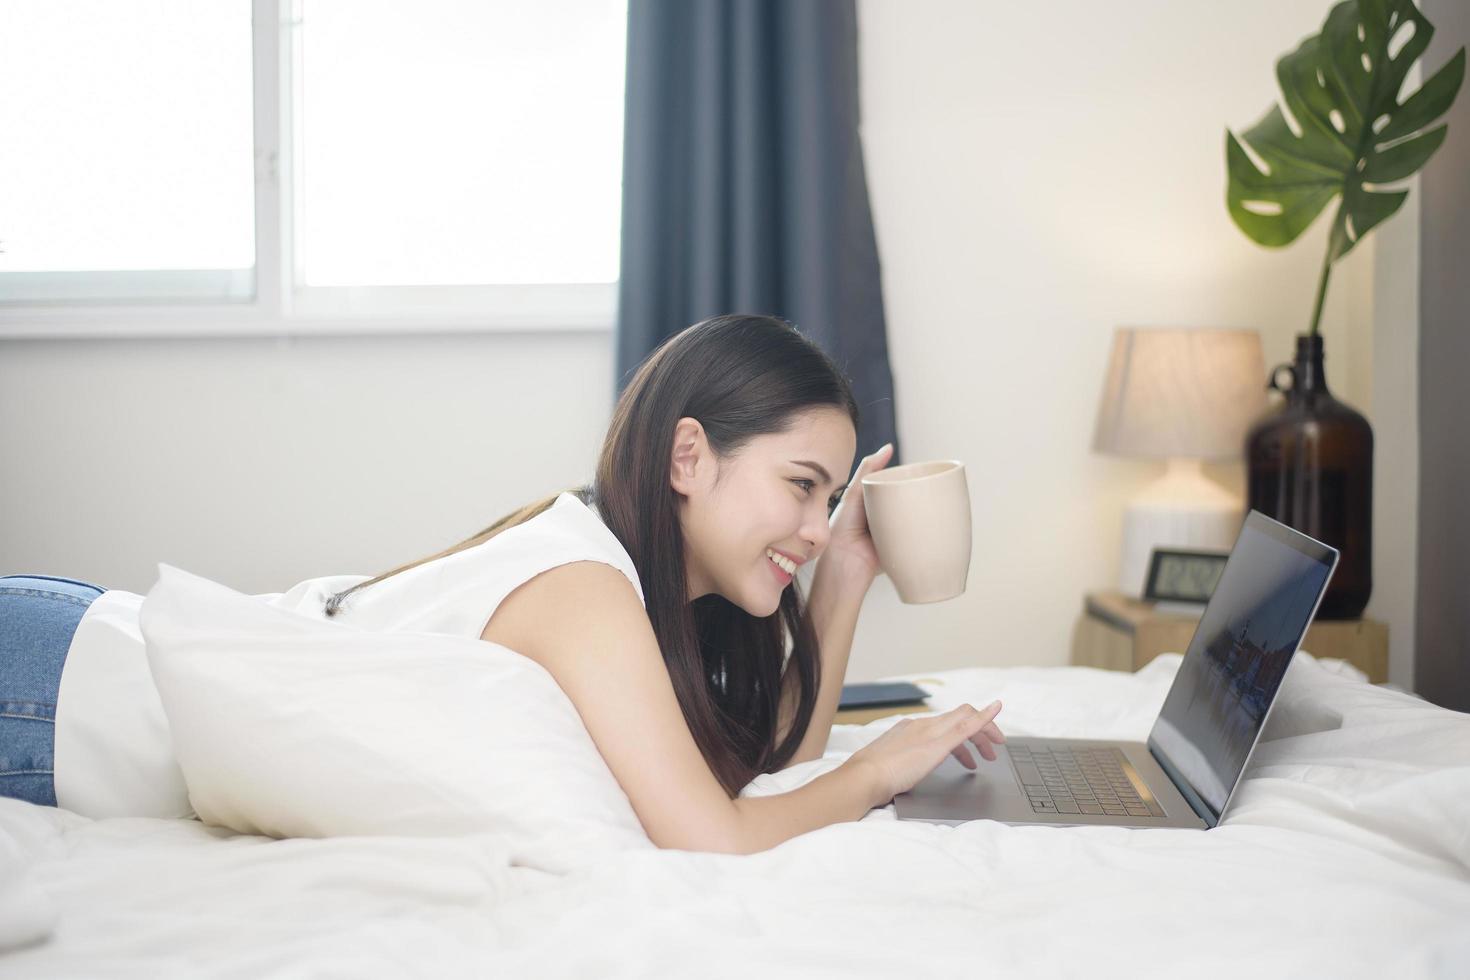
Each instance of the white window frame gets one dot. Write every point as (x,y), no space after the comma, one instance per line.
(279,306)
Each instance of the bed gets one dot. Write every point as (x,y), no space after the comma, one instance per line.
(1346,854)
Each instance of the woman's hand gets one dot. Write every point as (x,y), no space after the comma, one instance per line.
(914,747)
(851,544)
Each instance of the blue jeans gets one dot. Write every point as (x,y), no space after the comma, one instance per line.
(38,616)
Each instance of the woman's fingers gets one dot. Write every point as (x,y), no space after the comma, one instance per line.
(977,727)
(968,718)
(987,713)
(987,751)
(871,462)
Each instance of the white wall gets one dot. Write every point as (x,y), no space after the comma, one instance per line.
(1392,405)
(262,462)
(1040,174)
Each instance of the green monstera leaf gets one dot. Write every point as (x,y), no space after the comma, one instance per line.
(1351,134)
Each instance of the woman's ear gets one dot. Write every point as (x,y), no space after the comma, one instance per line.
(690,460)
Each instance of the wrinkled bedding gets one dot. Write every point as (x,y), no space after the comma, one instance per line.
(1346,854)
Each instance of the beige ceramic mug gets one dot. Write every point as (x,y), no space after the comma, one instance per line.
(919,517)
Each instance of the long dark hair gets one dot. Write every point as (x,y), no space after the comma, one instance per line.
(740,376)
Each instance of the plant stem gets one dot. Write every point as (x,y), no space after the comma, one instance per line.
(1321,293)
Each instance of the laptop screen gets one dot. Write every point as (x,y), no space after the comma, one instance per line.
(1255,619)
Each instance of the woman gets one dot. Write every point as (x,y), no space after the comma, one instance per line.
(662,600)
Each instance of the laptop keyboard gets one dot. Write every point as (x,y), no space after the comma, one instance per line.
(1080,780)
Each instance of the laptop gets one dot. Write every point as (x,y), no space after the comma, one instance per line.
(1185,775)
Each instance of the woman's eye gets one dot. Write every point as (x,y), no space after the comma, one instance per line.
(807,486)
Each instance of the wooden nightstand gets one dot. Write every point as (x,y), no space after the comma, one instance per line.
(1118,633)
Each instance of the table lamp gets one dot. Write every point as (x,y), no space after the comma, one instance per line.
(1182,396)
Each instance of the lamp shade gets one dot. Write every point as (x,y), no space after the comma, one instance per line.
(1181,393)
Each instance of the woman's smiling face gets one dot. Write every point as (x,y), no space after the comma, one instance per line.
(773,496)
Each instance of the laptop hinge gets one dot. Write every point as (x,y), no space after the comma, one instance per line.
(1195,801)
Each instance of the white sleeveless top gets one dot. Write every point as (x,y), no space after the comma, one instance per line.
(113,753)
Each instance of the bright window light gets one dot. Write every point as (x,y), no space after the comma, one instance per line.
(126,135)
(458,142)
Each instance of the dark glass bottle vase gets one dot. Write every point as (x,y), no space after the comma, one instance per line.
(1310,466)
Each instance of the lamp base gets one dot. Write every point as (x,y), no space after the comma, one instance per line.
(1181,509)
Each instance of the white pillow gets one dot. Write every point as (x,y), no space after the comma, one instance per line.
(290,726)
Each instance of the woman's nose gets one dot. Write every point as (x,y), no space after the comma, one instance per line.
(816,534)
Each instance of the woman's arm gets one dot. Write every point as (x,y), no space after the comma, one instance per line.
(846,793)
(602,650)
(838,589)
(844,573)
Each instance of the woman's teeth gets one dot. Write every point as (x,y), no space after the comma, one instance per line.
(785,564)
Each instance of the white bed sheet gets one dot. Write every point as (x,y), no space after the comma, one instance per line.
(1347,854)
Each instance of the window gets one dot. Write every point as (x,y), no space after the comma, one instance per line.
(126,168)
(309,165)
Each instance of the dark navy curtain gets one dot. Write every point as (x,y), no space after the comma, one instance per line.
(743,184)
